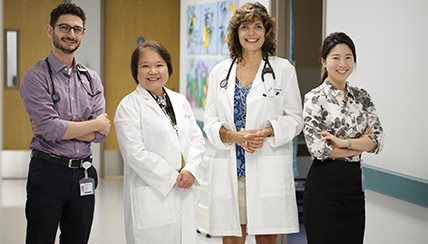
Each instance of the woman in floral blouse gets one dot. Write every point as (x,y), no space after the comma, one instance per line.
(340,123)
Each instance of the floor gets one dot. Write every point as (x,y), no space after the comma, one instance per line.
(108,221)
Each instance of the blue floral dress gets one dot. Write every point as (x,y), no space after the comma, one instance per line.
(239,117)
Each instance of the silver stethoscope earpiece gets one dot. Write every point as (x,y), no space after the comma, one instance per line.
(267,69)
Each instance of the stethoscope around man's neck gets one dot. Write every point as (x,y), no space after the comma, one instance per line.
(267,69)
(80,69)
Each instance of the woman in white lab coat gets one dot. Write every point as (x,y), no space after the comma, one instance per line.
(253,112)
(157,135)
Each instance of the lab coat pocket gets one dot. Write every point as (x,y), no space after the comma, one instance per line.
(221,182)
(273,105)
(276,100)
(151,209)
(276,178)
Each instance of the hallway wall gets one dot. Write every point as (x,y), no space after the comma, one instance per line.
(31,18)
(390,38)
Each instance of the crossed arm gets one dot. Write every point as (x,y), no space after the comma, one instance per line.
(83,130)
(348,147)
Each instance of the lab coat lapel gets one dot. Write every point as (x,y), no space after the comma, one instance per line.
(258,78)
(178,109)
(151,102)
(231,92)
(149,99)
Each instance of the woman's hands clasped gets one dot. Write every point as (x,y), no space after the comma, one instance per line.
(254,139)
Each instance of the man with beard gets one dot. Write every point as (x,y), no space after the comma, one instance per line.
(66,106)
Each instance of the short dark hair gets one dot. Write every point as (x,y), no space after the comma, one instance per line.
(67,8)
(330,42)
(250,12)
(152,45)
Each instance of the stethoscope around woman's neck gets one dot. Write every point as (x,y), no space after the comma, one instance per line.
(267,69)
(80,69)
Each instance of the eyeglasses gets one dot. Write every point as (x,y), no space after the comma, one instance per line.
(65,28)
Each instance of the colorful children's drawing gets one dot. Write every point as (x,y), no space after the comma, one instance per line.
(209,28)
(197,74)
(194,23)
(225,12)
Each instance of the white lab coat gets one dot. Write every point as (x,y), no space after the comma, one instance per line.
(271,201)
(157,211)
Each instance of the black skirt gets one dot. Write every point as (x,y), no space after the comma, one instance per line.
(333,203)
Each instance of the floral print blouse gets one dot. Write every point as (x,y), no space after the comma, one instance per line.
(325,109)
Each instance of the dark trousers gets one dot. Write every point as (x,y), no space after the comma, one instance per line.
(53,198)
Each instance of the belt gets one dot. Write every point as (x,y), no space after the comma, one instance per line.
(72,163)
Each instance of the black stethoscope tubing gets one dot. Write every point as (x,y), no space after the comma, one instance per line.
(267,68)
(225,81)
(55,96)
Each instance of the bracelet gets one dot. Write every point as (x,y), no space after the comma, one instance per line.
(349,144)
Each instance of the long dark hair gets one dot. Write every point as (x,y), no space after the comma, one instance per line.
(330,42)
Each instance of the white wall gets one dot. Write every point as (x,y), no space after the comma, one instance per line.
(391,38)
(392,221)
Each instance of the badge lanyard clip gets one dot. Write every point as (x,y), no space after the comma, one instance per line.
(87,184)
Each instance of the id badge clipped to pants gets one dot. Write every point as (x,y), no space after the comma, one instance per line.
(87,184)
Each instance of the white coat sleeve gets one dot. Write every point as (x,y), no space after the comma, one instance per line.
(289,123)
(153,169)
(195,149)
(212,123)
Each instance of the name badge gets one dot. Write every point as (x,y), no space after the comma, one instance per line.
(87,184)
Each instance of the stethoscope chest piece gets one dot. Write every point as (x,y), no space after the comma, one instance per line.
(55,98)
(223,83)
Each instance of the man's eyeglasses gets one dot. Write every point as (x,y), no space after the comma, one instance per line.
(65,28)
